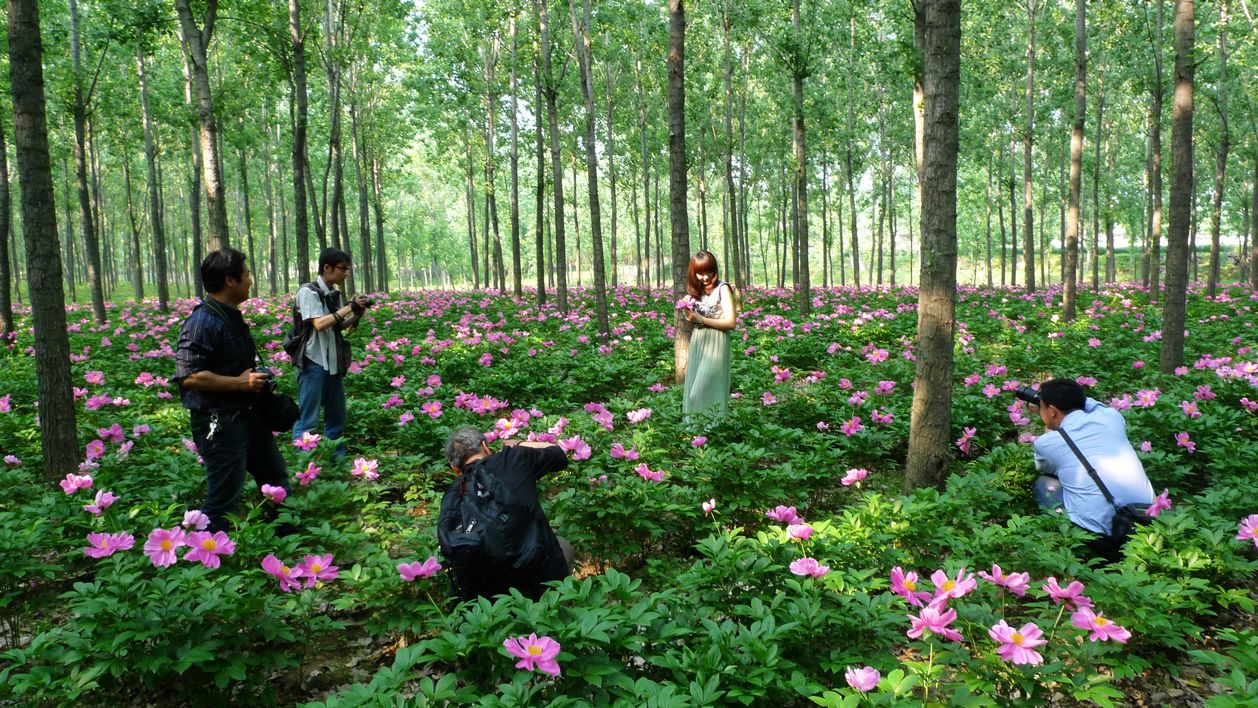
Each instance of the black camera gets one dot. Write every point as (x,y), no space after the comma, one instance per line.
(1027,394)
(270,385)
(368,302)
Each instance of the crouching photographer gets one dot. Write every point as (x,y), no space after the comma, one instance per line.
(1087,465)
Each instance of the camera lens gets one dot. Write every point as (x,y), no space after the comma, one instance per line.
(1027,394)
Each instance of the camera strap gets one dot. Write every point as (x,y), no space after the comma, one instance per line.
(1088,466)
(214,308)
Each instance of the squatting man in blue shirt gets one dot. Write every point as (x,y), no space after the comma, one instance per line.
(1101,436)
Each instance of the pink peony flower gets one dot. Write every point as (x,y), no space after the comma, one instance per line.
(784,515)
(709,506)
(274,494)
(1161,503)
(1018,646)
(196,519)
(1182,440)
(698,441)
(309,474)
(405,418)
(432,408)
(851,427)
(798,532)
(905,585)
(1248,529)
(162,544)
(864,679)
(1015,583)
(639,415)
(1072,594)
(365,468)
(618,452)
(959,586)
(1146,446)
(854,476)
(809,566)
(207,547)
(932,619)
(103,545)
(1102,628)
(103,501)
(287,576)
(768,399)
(534,653)
(411,571)
(308,441)
(963,442)
(74,482)
(316,568)
(646,472)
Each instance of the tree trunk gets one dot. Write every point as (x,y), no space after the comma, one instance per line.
(539,207)
(301,225)
(551,90)
(471,210)
(492,53)
(987,220)
(929,438)
(677,176)
(611,173)
(156,220)
(1220,165)
(851,185)
(58,441)
(137,261)
(377,202)
(91,239)
(1071,255)
(196,43)
(244,191)
(362,179)
(268,194)
(1028,199)
(1253,225)
(800,145)
(1172,354)
(731,190)
(644,258)
(517,285)
(6,223)
(585,62)
(1096,183)
(1155,138)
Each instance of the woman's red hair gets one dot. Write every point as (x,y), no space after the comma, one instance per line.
(701,262)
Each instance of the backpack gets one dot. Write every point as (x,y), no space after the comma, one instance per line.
(299,332)
(484,523)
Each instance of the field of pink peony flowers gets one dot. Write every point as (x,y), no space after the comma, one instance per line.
(766,558)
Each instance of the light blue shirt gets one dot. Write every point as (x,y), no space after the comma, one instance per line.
(1101,435)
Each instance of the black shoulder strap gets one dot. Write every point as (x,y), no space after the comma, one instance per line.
(1088,466)
(211,305)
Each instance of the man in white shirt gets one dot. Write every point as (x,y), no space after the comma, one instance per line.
(1100,433)
(325,355)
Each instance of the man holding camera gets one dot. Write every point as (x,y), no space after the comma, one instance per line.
(1100,434)
(220,386)
(324,355)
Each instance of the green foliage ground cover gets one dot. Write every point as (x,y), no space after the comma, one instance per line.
(672,605)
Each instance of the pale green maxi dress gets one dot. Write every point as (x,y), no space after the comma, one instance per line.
(707,371)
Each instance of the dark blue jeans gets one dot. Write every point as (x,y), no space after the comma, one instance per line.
(241,443)
(317,389)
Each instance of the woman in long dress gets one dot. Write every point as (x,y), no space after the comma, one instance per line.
(713,312)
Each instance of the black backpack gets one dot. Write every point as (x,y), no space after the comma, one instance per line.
(485,525)
(299,332)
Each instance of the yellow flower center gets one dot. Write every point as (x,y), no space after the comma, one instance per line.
(534,650)
(1017,638)
(947,585)
(912,586)
(104,543)
(209,544)
(284,569)
(1100,621)
(166,544)
(316,567)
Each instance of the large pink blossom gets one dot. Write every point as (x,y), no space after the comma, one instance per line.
(1182,440)
(931,619)
(319,567)
(274,494)
(854,476)
(162,544)
(74,482)
(102,545)
(195,519)
(905,585)
(784,515)
(103,501)
(1160,503)
(534,653)
(864,679)
(367,469)
(206,547)
(1018,646)
(309,474)
(308,441)
(1101,628)
(798,532)
(959,586)
(1072,594)
(1248,529)
(411,571)
(1015,583)
(809,566)
(287,577)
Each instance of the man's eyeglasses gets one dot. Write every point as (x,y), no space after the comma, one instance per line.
(343,267)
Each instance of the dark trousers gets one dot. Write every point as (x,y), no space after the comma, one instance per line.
(241,443)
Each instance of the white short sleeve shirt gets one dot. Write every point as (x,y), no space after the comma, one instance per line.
(321,348)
